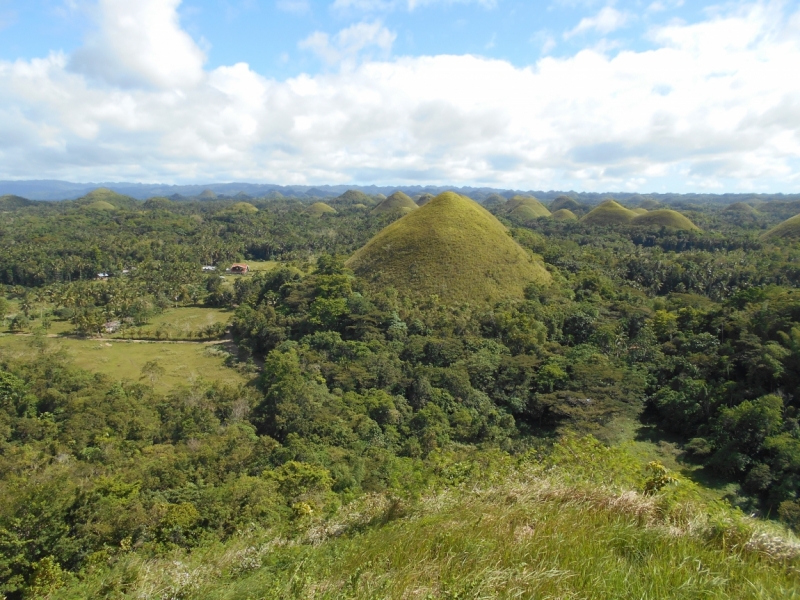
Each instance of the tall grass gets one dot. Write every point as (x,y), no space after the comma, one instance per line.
(544,529)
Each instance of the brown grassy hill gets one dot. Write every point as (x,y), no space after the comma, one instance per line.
(98,199)
(665,218)
(424,199)
(609,212)
(397,202)
(564,202)
(320,208)
(564,214)
(452,247)
(789,229)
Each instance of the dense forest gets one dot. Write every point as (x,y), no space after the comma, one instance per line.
(357,389)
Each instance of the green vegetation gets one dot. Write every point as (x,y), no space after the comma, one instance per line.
(320,208)
(424,199)
(453,248)
(10,202)
(607,213)
(664,218)
(103,197)
(564,203)
(478,408)
(564,214)
(789,229)
(397,202)
(243,207)
(525,208)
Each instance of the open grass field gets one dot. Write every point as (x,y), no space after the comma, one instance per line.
(178,323)
(182,362)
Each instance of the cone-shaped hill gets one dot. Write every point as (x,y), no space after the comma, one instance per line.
(452,247)
(640,211)
(243,207)
(665,218)
(648,204)
(320,208)
(564,202)
(424,199)
(207,195)
(494,201)
(564,214)
(526,208)
(353,197)
(609,212)
(397,202)
(740,208)
(158,202)
(106,199)
(789,229)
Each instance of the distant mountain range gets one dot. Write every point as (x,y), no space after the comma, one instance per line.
(50,189)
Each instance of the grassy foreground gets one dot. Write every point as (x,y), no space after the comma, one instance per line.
(574,524)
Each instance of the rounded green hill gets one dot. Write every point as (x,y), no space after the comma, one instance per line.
(107,196)
(451,247)
(207,195)
(665,218)
(640,211)
(564,202)
(424,199)
(789,229)
(609,212)
(243,207)
(397,202)
(99,205)
(494,201)
(742,209)
(11,201)
(353,197)
(320,208)
(157,202)
(564,214)
(648,203)
(517,205)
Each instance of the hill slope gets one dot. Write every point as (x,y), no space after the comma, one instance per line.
(397,202)
(526,208)
(320,208)
(665,218)
(564,214)
(243,207)
(564,202)
(11,201)
(353,197)
(452,247)
(609,212)
(789,229)
(101,197)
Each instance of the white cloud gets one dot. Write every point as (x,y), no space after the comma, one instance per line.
(607,20)
(349,43)
(141,42)
(712,106)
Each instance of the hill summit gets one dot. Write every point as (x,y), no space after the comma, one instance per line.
(397,202)
(106,199)
(790,229)
(609,212)
(452,247)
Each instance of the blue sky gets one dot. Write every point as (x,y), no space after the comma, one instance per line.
(660,95)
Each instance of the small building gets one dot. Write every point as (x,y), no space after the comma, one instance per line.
(209,269)
(112,326)
(103,276)
(239,269)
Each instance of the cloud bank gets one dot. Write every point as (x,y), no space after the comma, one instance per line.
(712,106)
